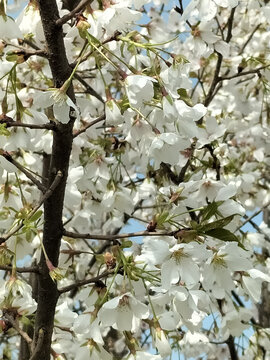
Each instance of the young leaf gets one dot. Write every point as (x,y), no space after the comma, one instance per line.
(210,211)
(216,224)
(222,234)
(35,216)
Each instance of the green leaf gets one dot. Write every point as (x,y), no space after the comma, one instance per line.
(3,130)
(210,211)
(222,234)
(126,244)
(162,218)
(28,235)
(216,224)
(36,216)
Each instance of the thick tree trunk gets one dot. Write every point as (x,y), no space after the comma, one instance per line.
(53,206)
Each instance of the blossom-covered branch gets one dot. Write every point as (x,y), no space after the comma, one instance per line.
(85,282)
(20,167)
(14,324)
(87,126)
(47,194)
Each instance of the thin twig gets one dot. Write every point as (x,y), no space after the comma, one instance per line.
(216,163)
(231,346)
(80,7)
(27,173)
(79,132)
(114,37)
(216,78)
(240,302)
(48,126)
(257,228)
(253,215)
(85,282)
(254,71)
(32,269)
(47,194)
(38,345)
(220,28)
(116,236)
(88,88)
(248,40)
(15,326)
(30,43)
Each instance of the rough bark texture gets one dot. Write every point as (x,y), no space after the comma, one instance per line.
(70,4)
(53,207)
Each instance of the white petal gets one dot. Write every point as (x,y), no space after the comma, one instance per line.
(124,319)
(7,165)
(61,113)
(226,192)
(169,274)
(169,138)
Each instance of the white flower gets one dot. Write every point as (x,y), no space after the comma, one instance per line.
(139,89)
(161,342)
(181,266)
(123,312)
(64,315)
(62,104)
(154,251)
(92,352)
(9,29)
(235,322)
(29,20)
(187,117)
(166,148)
(86,329)
(113,114)
(217,274)
(252,283)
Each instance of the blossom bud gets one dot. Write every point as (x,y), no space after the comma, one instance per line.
(17,56)
(110,260)
(82,26)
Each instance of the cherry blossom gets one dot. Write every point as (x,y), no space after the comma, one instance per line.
(134,164)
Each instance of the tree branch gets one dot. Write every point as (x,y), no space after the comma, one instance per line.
(88,88)
(256,227)
(80,7)
(231,346)
(253,215)
(116,236)
(46,196)
(248,40)
(216,79)
(13,323)
(80,131)
(27,173)
(85,282)
(35,355)
(11,123)
(254,71)
(32,269)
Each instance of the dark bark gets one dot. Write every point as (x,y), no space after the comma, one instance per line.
(24,353)
(53,206)
(231,346)
(70,4)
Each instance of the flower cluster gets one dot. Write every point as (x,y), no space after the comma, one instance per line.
(167,113)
